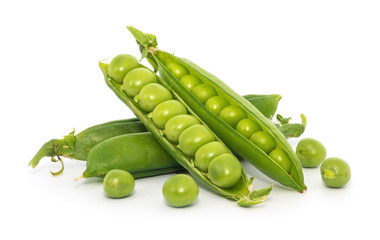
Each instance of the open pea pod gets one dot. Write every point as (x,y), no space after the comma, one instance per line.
(241,190)
(258,140)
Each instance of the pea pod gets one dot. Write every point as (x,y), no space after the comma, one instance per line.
(254,145)
(190,139)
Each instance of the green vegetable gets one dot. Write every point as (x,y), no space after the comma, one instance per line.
(118,183)
(122,64)
(335,172)
(180,190)
(311,152)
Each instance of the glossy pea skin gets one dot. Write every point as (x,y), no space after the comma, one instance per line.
(136,79)
(203,92)
(232,115)
(247,127)
(216,103)
(224,170)
(153,94)
(263,140)
(335,172)
(177,124)
(207,153)
(166,110)
(281,158)
(176,69)
(311,152)
(193,138)
(118,183)
(180,190)
(121,65)
(190,81)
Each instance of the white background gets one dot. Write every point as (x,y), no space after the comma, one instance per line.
(321,56)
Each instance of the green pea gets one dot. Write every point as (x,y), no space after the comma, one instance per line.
(207,153)
(136,79)
(153,94)
(311,152)
(177,124)
(176,69)
(180,190)
(192,138)
(203,92)
(263,140)
(118,183)
(121,65)
(216,103)
(225,170)
(166,110)
(281,158)
(335,172)
(190,81)
(232,115)
(247,127)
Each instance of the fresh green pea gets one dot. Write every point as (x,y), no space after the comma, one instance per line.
(247,127)
(136,79)
(166,110)
(193,138)
(203,92)
(263,140)
(225,170)
(176,69)
(153,94)
(216,103)
(190,81)
(207,153)
(180,190)
(335,172)
(311,152)
(282,158)
(232,115)
(121,65)
(118,183)
(177,124)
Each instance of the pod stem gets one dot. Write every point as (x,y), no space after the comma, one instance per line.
(47,150)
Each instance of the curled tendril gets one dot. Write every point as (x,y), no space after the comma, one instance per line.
(62,168)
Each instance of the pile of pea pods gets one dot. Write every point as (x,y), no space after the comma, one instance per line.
(191,123)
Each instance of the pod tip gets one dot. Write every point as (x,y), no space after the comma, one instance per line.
(78,178)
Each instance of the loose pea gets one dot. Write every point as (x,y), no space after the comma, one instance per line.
(203,92)
(335,172)
(247,127)
(193,138)
(177,70)
(153,94)
(180,190)
(282,158)
(121,65)
(207,153)
(225,170)
(264,141)
(136,79)
(177,124)
(216,103)
(166,110)
(118,183)
(232,115)
(190,81)
(311,152)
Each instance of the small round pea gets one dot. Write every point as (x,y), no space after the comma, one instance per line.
(121,65)
(281,158)
(203,92)
(153,94)
(263,140)
(176,69)
(232,115)
(180,190)
(335,172)
(177,124)
(192,138)
(311,152)
(207,153)
(166,110)
(247,127)
(190,81)
(224,170)
(216,103)
(136,79)
(118,183)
